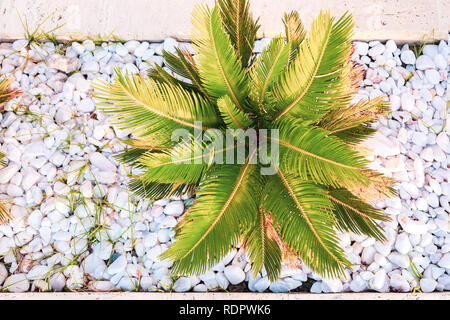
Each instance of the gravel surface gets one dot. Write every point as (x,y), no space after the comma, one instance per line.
(77,227)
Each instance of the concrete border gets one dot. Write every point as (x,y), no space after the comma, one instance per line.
(221,296)
(154,20)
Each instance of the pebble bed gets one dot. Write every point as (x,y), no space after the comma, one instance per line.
(77,227)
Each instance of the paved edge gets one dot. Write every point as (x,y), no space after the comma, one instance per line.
(221,296)
(154,20)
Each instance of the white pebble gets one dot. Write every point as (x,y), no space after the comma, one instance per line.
(17,283)
(408,57)
(234,274)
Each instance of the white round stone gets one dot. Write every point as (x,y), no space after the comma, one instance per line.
(174,208)
(234,274)
(427,285)
(127,284)
(402,243)
(57,281)
(90,66)
(408,57)
(140,49)
(86,105)
(424,62)
(17,283)
(444,262)
(379,280)
(89,45)
(100,161)
(433,76)
(170,44)
(131,45)
(118,265)
(121,50)
(63,114)
(8,172)
(362,48)
(358,284)
(376,50)
(183,284)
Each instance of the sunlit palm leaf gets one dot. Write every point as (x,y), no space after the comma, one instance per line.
(377,187)
(187,162)
(220,70)
(312,153)
(295,33)
(240,26)
(137,147)
(354,215)
(160,75)
(268,67)
(130,156)
(262,248)
(232,116)
(302,214)
(355,134)
(156,190)
(313,84)
(153,109)
(182,64)
(352,124)
(212,225)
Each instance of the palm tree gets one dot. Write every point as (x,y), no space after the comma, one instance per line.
(300,88)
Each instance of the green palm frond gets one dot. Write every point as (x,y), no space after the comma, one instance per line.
(156,190)
(354,215)
(212,228)
(186,162)
(314,84)
(311,153)
(159,74)
(240,26)
(295,32)
(377,188)
(153,109)
(302,214)
(262,247)
(130,156)
(352,124)
(355,134)
(183,64)
(232,116)
(220,70)
(136,149)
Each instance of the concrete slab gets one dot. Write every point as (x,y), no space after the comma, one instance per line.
(154,20)
(221,296)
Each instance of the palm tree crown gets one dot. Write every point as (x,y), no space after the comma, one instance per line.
(300,88)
